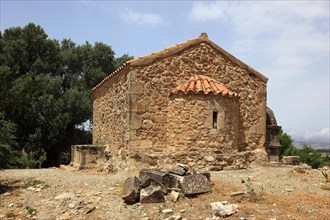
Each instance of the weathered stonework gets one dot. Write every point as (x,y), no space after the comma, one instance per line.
(138,117)
(111,117)
(87,156)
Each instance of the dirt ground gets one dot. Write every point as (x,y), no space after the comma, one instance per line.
(274,192)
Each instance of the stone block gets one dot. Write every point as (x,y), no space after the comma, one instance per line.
(179,169)
(158,176)
(195,184)
(175,180)
(191,184)
(131,190)
(203,172)
(152,194)
(291,160)
(152,182)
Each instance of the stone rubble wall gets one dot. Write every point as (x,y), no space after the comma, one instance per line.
(162,129)
(111,118)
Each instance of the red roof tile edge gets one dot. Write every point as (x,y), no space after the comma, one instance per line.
(200,84)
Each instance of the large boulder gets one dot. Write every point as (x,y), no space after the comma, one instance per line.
(131,190)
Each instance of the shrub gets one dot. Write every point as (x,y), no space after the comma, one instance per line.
(307,154)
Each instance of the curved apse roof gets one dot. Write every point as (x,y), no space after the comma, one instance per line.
(200,84)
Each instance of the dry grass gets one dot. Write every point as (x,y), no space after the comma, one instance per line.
(293,206)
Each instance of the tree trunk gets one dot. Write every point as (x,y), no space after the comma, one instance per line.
(53,157)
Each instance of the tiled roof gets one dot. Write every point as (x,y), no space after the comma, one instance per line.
(147,59)
(200,84)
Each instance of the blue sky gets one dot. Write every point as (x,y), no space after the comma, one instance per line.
(287,41)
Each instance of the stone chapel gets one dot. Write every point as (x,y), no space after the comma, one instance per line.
(191,103)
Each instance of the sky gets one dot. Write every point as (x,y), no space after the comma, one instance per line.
(287,41)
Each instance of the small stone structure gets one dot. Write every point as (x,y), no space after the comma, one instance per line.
(273,146)
(87,156)
(192,103)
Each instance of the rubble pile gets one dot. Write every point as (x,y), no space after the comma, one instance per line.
(152,185)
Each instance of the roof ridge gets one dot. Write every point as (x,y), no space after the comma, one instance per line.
(149,58)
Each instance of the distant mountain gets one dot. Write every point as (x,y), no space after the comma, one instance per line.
(315,145)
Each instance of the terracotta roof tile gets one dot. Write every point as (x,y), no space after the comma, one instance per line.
(203,84)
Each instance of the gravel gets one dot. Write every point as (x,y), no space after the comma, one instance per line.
(63,193)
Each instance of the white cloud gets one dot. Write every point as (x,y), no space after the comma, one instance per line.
(135,17)
(288,41)
(322,135)
(290,35)
(203,12)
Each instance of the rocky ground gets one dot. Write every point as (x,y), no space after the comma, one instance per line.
(273,192)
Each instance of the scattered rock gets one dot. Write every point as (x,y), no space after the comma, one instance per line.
(7,194)
(303,168)
(216,168)
(30,188)
(64,216)
(209,158)
(152,194)
(131,190)
(174,217)
(222,209)
(89,210)
(65,196)
(167,213)
(174,196)
(325,186)
(71,205)
(237,196)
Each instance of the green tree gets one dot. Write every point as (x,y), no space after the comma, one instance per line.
(7,143)
(307,154)
(287,144)
(119,61)
(311,157)
(46,87)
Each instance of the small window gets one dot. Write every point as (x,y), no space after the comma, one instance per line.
(215,120)
(103,118)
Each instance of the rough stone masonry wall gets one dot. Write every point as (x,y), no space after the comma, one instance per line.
(111,118)
(151,115)
(192,135)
